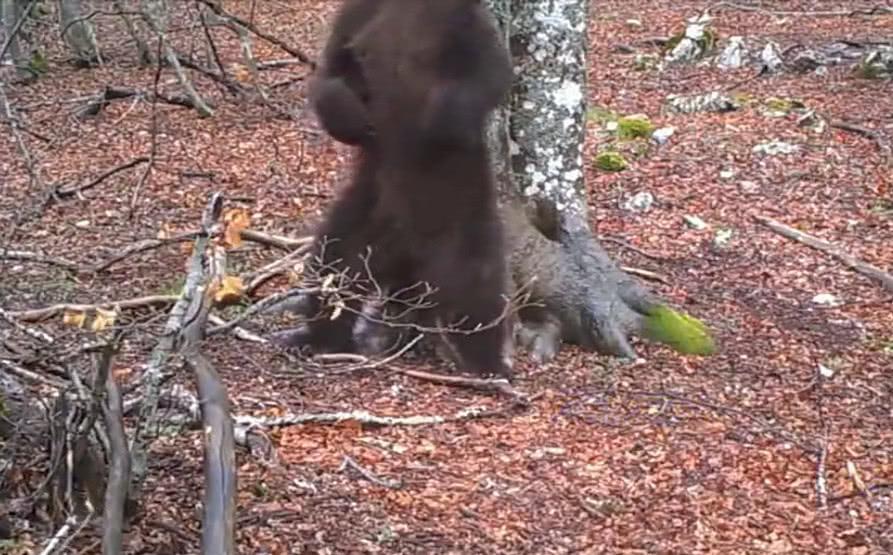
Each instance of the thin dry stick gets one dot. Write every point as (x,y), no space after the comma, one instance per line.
(851,261)
(38,314)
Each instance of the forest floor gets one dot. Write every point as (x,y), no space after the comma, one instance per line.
(727,454)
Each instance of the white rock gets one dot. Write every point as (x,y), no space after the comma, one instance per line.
(662,135)
(775,147)
(826,299)
(733,55)
(771,58)
(695,222)
(640,202)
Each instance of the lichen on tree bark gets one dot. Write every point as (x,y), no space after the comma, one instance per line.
(548,40)
(537,144)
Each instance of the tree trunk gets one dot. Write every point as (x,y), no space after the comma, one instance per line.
(78,33)
(538,155)
(14,36)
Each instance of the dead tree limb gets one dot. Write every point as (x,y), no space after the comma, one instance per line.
(363,417)
(16,28)
(220,460)
(219,505)
(851,261)
(142,246)
(215,7)
(38,314)
(152,377)
(278,241)
(118,483)
(28,256)
(63,192)
(156,15)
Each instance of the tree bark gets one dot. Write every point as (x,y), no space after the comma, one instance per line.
(77,32)
(15,42)
(537,144)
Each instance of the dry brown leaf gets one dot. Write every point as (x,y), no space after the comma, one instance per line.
(235,220)
(229,290)
(104,319)
(75,319)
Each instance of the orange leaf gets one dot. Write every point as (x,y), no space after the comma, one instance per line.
(235,220)
(229,290)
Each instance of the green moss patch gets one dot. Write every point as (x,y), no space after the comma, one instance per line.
(610,161)
(683,333)
(634,127)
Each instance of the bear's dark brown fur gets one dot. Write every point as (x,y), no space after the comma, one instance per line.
(411,82)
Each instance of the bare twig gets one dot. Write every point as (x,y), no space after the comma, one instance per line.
(39,314)
(877,10)
(859,266)
(28,256)
(350,463)
(155,16)
(62,192)
(278,241)
(142,246)
(153,134)
(647,274)
(217,9)
(497,385)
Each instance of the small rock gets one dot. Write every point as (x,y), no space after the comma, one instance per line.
(826,299)
(775,147)
(662,135)
(771,58)
(825,371)
(733,54)
(611,125)
(695,222)
(808,60)
(633,23)
(811,120)
(749,187)
(727,174)
(723,236)
(640,202)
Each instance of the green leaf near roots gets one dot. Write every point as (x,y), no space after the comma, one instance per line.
(38,63)
(685,334)
(634,127)
(610,161)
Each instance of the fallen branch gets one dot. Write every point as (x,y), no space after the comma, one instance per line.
(77,189)
(28,256)
(164,349)
(219,457)
(38,314)
(877,10)
(647,274)
(269,38)
(117,486)
(498,385)
(278,241)
(854,263)
(350,463)
(240,333)
(361,416)
(875,137)
(142,246)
